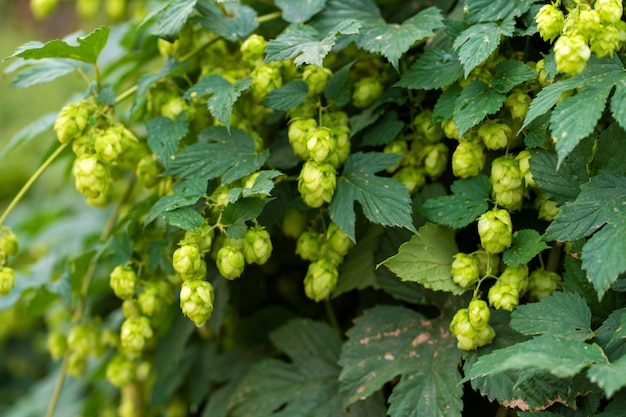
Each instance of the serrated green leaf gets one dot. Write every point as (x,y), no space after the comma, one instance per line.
(44,71)
(435,68)
(299,11)
(237,156)
(237,21)
(618,103)
(601,199)
(537,133)
(444,108)
(560,185)
(164,135)
(510,73)
(223,95)
(610,151)
(306,45)
(263,183)
(564,314)
(236,214)
(87,50)
(30,132)
(427,259)
(611,335)
(571,122)
(562,358)
(610,377)
(393,40)
(603,254)
(338,87)
(391,341)
(495,10)
(186,193)
(526,245)
(168,21)
(358,269)
(184,218)
(469,200)
(475,44)
(475,102)
(386,129)
(287,97)
(384,201)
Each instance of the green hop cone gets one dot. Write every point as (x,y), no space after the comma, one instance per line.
(8,242)
(468,159)
(320,280)
(550,22)
(461,327)
(449,129)
(187,261)
(309,246)
(115,9)
(465,270)
(92,178)
(148,170)
(87,9)
(84,339)
(252,48)
(495,230)
(422,125)
(76,365)
(299,132)
(516,277)
(488,263)
(135,334)
(265,78)
(56,344)
(294,223)
(123,282)
(321,145)
(108,145)
(400,147)
(484,336)
(503,296)
(571,53)
(542,283)
(7,280)
(72,121)
(341,135)
(495,135)
(518,103)
(317,183)
(587,22)
(338,240)
(196,300)
(547,208)
(335,119)
(366,90)
(478,314)
(609,11)
(523,160)
(434,159)
(202,237)
(43,8)
(257,246)
(230,262)
(316,78)
(121,371)
(130,308)
(154,297)
(413,178)
(506,183)
(606,41)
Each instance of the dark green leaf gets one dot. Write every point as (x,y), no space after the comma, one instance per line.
(370,115)
(444,108)
(386,129)
(358,269)
(427,259)
(30,132)
(184,218)
(237,156)
(611,335)
(564,314)
(495,10)
(185,194)
(287,97)
(338,87)
(164,135)
(388,342)
(384,201)
(44,71)
(435,68)
(618,103)
(467,202)
(603,254)
(168,21)
(476,43)
(236,214)
(562,358)
(263,184)
(237,21)
(476,101)
(393,40)
(87,50)
(560,185)
(601,199)
(306,45)
(299,11)
(610,151)
(526,245)
(337,11)
(223,95)
(610,377)
(510,73)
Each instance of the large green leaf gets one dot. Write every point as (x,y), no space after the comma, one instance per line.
(164,135)
(610,151)
(393,40)
(475,102)
(87,50)
(185,218)
(167,22)
(446,104)
(467,202)
(237,157)
(306,386)
(231,20)
(384,201)
(185,194)
(495,10)
(427,259)
(386,129)
(236,214)
(618,103)
(388,342)
(527,244)
(299,11)
(338,88)
(287,97)
(510,73)
(563,184)
(610,377)
(563,313)
(476,43)
(435,68)
(45,70)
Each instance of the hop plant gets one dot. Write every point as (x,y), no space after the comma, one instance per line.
(265,78)
(341,135)
(294,223)
(468,159)
(542,283)
(523,160)
(321,145)
(72,121)
(609,11)
(108,145)
(465,270)
(155,295)
(309,246)
(516,277)
(43,8)
(257,246)
(400,147)
(7,280)
(316,78)
(123,281)
(503,296)
(587,22)
(478,314)
(187,261)
(413,177)
(320,280)
(135,334)
(571,53)
(495,135)
(338,240)
(518,103)
(121,371)
(423,127)
(495,230)
(253,47)
(56,344)
(366,90)
(196,300)
(148,170)
(317,183)
(230,262)
(469,337)
(92,179)
(435,159)
(550,22)
(84,340)
(488,263)
(506,183)
(299,132)
(547,208)
(8,242)
(606,40)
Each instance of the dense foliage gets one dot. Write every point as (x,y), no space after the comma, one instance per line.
(324,208)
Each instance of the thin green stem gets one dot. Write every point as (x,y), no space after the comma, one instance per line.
(126,94)
(199,49)
(58,387)
(332,317)
(83,75)
(31,181)
(269,16)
